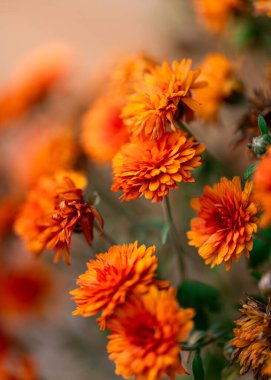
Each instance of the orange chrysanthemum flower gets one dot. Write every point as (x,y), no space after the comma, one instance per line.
(103,127)
(153,167)
(262,187)
(227,219)
(111,278)
(216,14)
(42,150)
(128,72)
(219,74)
(164,95)
(32,82)
(146,334)
(53,210)
(24,290)
(252,338)
(263,7)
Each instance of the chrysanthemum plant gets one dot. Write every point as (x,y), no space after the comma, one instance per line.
(160,317)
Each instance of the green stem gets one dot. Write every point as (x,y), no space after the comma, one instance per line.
(198,346)
(174,235)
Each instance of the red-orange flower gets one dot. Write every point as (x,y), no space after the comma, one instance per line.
(262,187)
(164,95)
(219,74)
(216,14)
(53,210)
(263,7)
(111,278)
(252,338)
(227,219)
(32,81)
(24,290)
(146,334)
(153,167)
(103,130)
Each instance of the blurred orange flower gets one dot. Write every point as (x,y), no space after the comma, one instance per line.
(216,14)
(219,74)
(35,77)
(252,338)
(146,333)
(111,278)
(128,72)
(52,211)
(226,222)
(164,95)
(24,290)
(153,167)
(263,7)
(262,186)
(103,127)
(41,150)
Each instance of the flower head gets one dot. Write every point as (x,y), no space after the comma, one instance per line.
(163,96)
(103,129)
(263,7)
(53,210)
(146,334)
(128,72)
(227,219)
(219,74)
(262,187)
(33,80)
(112,278)
(153,167)
(216,14)
(252,338)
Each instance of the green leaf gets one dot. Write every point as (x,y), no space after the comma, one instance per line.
(261,251)
(262,125)
(201,297)
(249,171)
(197,367)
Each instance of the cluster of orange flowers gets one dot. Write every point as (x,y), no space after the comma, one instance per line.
(142,314)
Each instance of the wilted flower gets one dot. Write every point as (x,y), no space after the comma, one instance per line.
(252,338)
(103,127)
(146,333)
(52,212)
(222,83)
(163,96)
(33,80)
(226,222)
(216,14)
(111,279)
(262,183)
(263,7)
(153,167)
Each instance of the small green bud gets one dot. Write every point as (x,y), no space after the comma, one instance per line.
(259,144)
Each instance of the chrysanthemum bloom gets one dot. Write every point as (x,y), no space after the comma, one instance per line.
(146,334)
(222,83)
(24,290)
(216,14)
(33,80)
(227,219)
(263,7)
(153,167)
(111,279)
(252,338)
(128,72)
(53,210)
(103,127)
(262,187)
(163,96)
(42,149)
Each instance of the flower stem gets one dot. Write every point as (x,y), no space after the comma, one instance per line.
(174,235)
(195,347)
(106,236)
